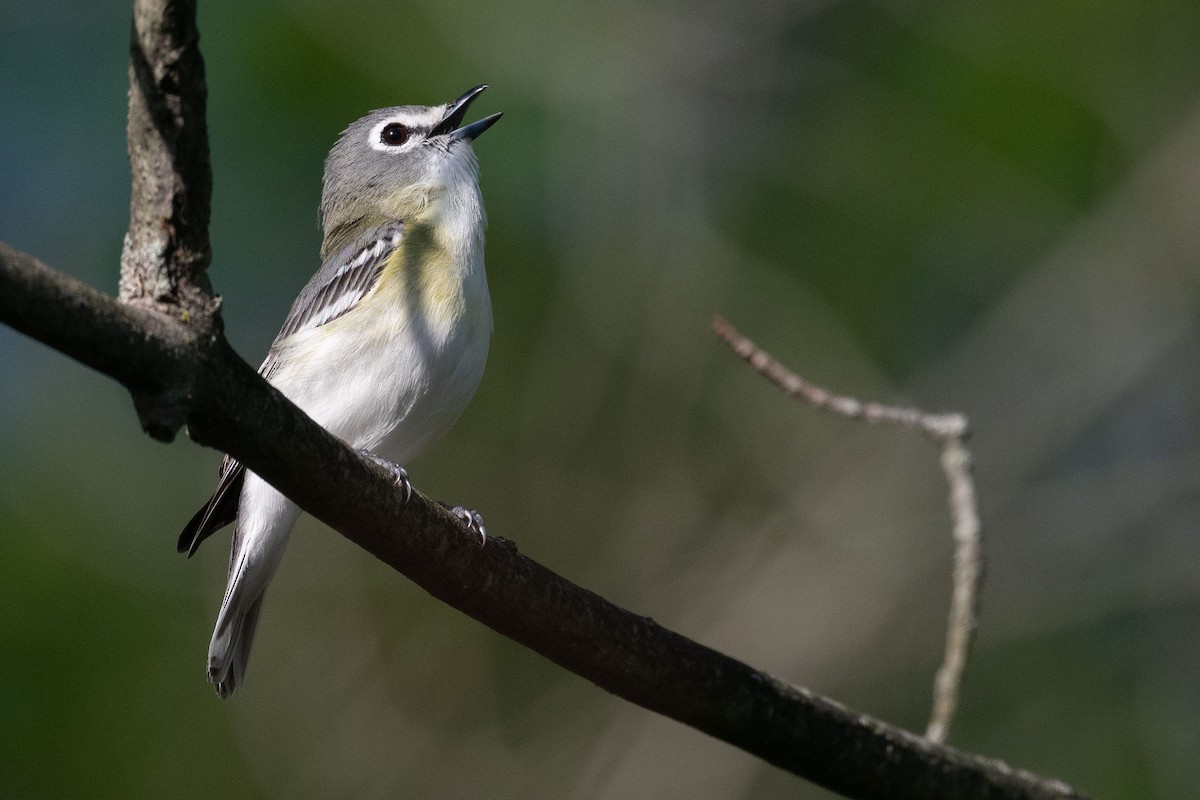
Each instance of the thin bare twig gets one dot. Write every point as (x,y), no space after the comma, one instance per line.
(951,432)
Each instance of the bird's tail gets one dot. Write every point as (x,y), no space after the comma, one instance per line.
(229,650)
(265,520)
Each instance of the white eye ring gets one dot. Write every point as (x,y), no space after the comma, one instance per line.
(380,134)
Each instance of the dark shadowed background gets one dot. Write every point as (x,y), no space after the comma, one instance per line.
(993,209)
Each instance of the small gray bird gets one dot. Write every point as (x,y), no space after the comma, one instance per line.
(384,347)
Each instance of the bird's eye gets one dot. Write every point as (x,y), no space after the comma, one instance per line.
(394,134)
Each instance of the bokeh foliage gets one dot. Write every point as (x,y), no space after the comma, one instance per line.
(983,207)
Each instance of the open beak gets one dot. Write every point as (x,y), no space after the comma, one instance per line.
(455,112)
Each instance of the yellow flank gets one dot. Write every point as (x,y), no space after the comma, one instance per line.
(421,275)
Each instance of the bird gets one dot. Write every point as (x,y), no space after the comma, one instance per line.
(384,347)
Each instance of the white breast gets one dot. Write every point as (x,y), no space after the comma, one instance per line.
(394,373)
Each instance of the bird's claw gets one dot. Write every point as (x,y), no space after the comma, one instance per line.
(397,473)
(473,521)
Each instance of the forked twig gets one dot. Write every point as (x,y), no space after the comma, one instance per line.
(951,432)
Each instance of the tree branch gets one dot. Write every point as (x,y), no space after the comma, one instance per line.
(949,430)
(166,346)
(166,250)
(231,408)
(137,347)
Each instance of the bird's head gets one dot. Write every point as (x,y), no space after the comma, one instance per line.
(396,162)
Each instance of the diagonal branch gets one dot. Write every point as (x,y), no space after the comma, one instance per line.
(951,431)
(234,410)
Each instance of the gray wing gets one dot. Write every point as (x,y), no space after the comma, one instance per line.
(344,279)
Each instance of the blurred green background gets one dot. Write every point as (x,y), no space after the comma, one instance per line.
(990,207)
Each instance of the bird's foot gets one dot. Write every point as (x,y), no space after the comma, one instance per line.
(397,473)
(472,520)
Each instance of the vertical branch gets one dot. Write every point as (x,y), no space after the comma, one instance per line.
(951,431)
(968,577)
(166,250)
